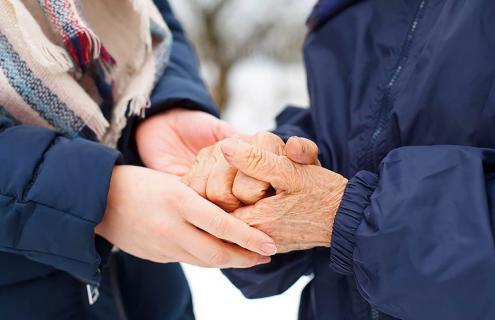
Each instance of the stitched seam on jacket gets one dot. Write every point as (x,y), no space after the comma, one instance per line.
(37,168)
(49,207)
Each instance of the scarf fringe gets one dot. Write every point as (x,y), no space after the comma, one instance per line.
(92,49)
(136,106)
(82,44)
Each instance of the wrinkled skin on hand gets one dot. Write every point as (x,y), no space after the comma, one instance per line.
(214,179)
(301,214)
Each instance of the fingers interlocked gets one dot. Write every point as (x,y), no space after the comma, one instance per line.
(216,180)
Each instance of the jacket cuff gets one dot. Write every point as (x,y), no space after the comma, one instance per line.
(349,216)
(69,206)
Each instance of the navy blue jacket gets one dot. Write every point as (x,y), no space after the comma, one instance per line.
(403,104)
(52,195)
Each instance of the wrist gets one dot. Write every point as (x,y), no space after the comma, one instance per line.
(101,228)
(334,199)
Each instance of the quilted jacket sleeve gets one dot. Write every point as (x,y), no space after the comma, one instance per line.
(418,236)
(53,193)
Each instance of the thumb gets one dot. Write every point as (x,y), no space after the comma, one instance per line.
(257,163)
(302,151)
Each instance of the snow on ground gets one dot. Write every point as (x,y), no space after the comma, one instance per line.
(215,298)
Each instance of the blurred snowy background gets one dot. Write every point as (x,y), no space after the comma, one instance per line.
(251,59)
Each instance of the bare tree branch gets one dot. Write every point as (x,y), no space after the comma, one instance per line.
(217,49)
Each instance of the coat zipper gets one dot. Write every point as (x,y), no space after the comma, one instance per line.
(116,292)
(386,102)
(375,315)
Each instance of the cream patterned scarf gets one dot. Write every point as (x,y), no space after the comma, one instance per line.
(62,62)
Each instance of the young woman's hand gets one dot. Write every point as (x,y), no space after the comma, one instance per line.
(170,141)
(154,216)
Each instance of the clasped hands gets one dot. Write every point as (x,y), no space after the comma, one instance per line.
(257,195)
(275,187)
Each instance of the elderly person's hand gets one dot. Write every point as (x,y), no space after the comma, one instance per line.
(301,214)
(214,179)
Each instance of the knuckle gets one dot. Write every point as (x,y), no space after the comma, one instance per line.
(216,195)
(260,136)
(270,141)
(239,192)
(223,199)
(198,184)
(276,140)
(249,195)
(254,159)
(213,192)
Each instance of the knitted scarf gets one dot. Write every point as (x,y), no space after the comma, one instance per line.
(81,67)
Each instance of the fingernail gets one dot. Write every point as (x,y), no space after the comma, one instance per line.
(302,144)
(269,249)
(264,260)
(229,146)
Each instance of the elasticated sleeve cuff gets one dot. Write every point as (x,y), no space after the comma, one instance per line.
(349,215)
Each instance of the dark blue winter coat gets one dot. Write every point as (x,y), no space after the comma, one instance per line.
(53,193)
(402,102)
